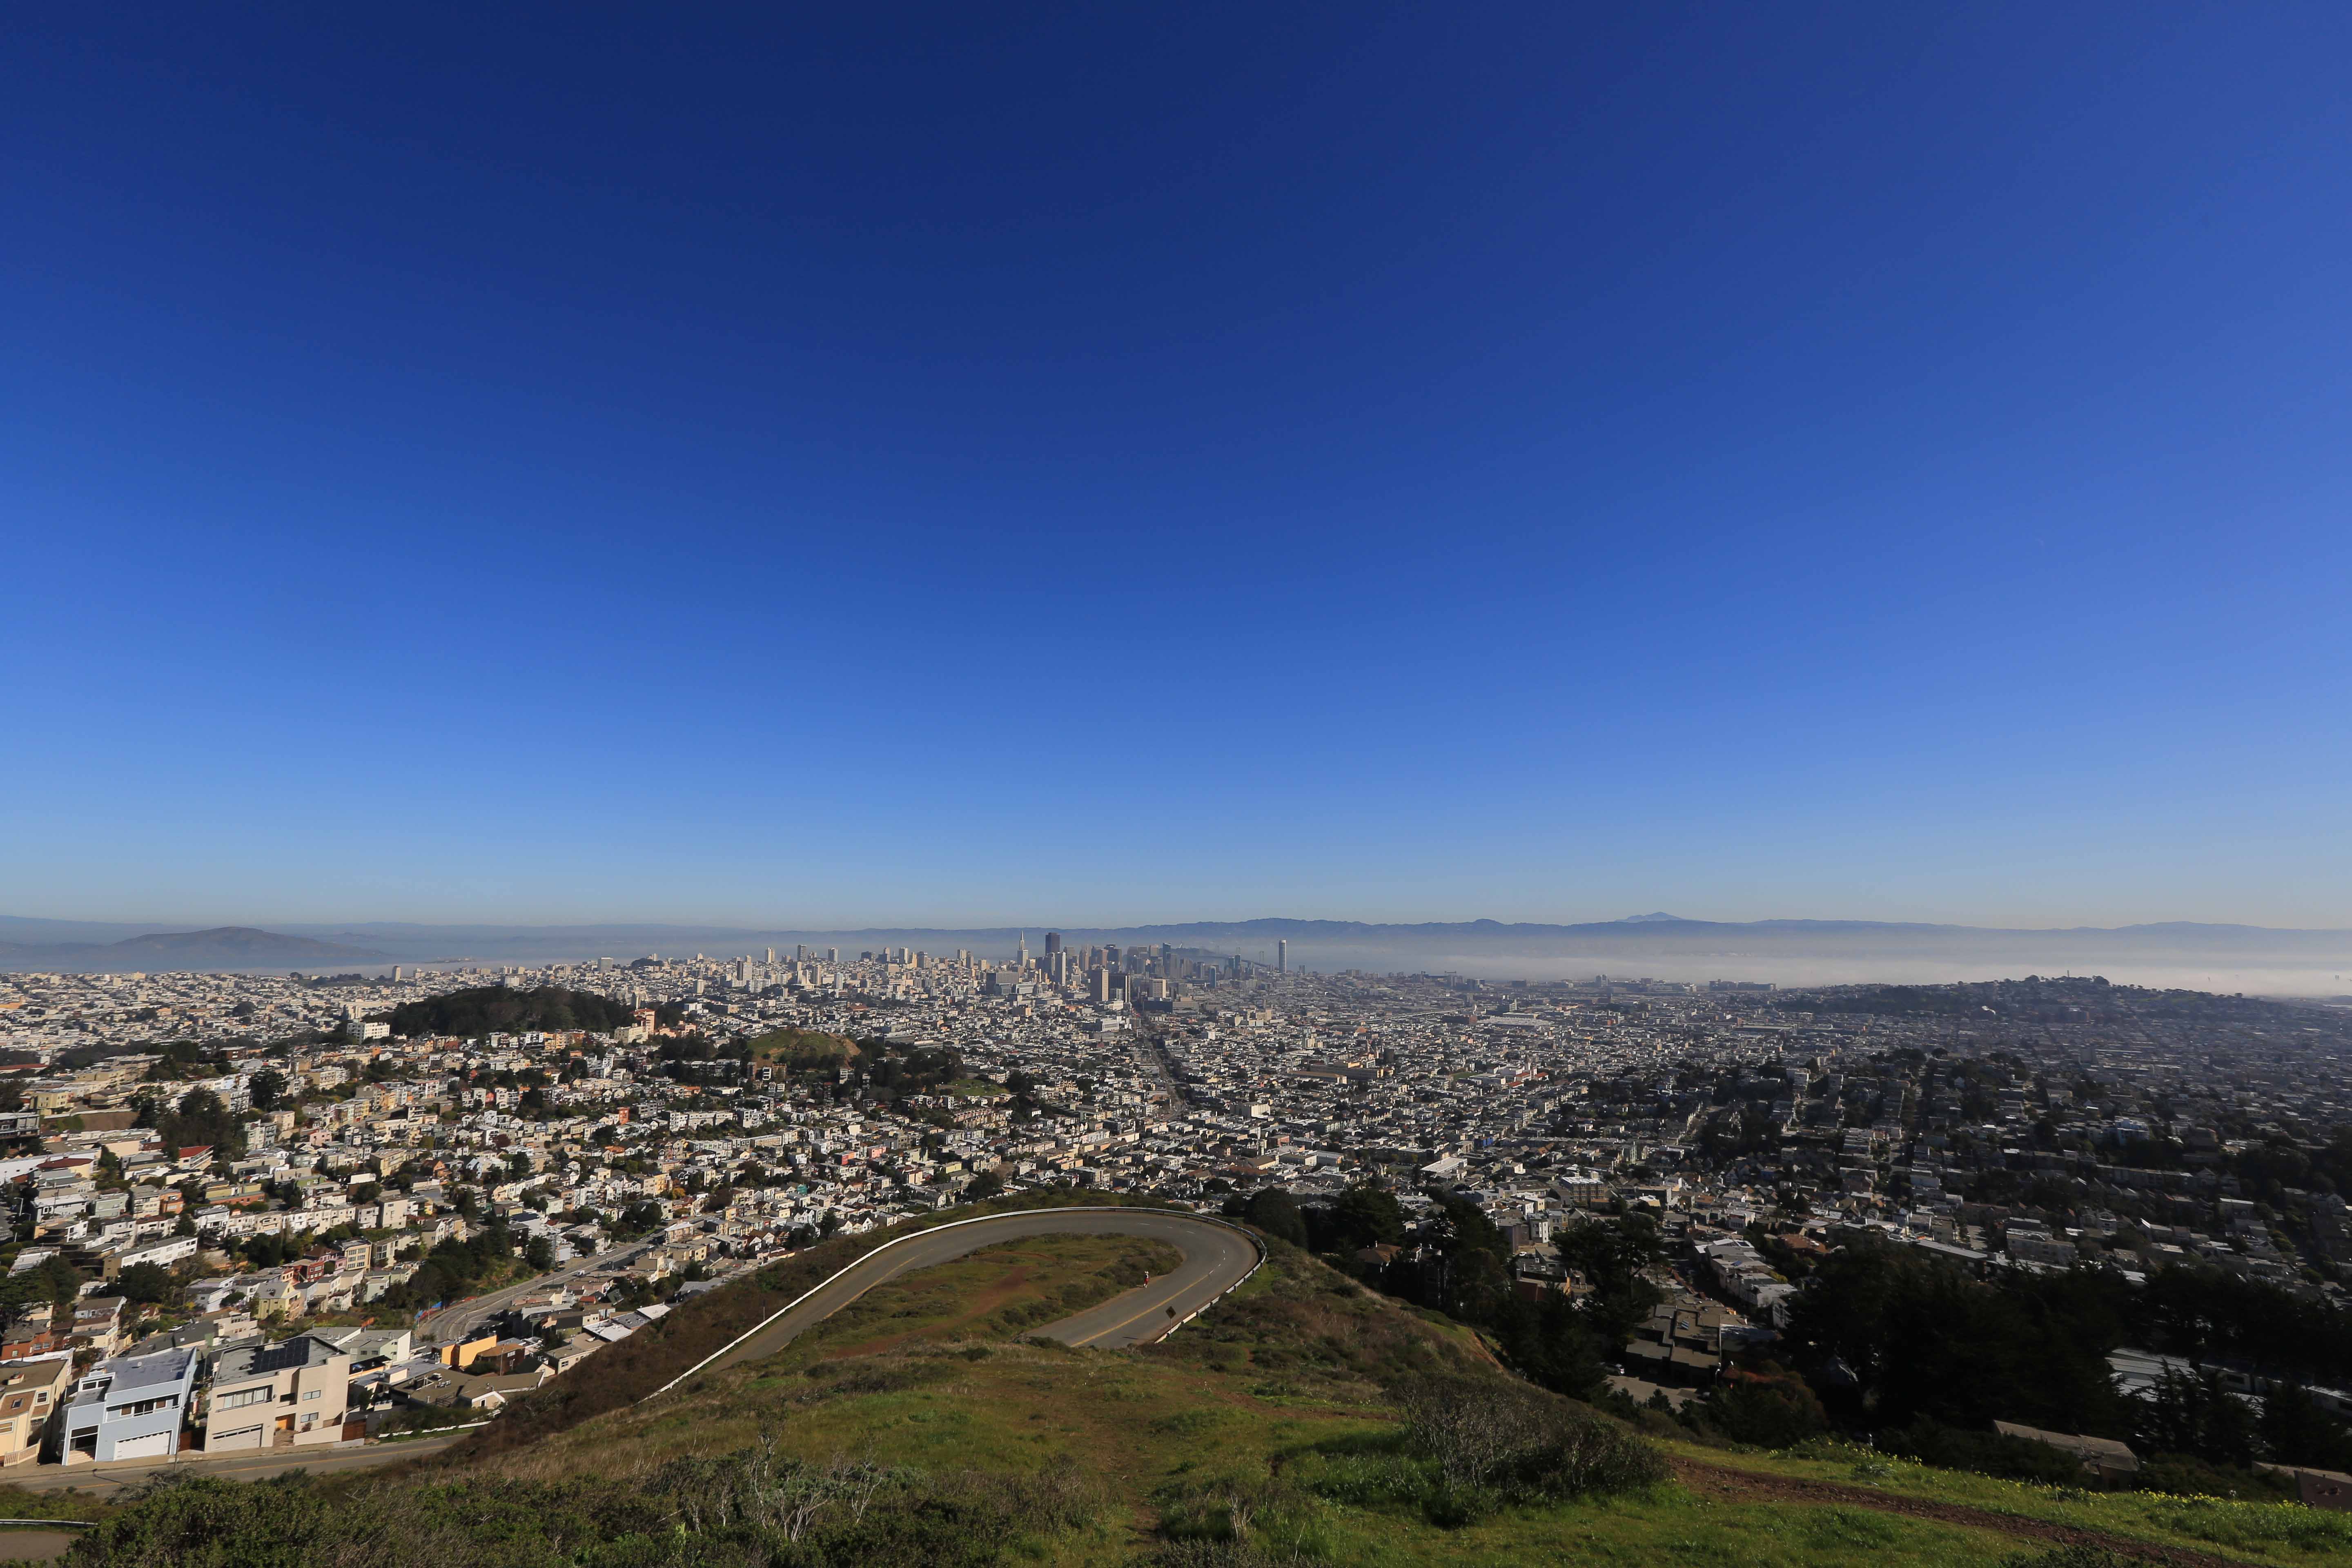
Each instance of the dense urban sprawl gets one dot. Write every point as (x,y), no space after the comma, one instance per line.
(260,1211)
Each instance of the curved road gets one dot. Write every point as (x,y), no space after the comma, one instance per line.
(460,1318)
(1217,1258)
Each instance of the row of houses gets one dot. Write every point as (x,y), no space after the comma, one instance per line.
(323,1386)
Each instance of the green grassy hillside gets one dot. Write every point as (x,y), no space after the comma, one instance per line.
(988,1295)
(801,1049)
(1302,1419)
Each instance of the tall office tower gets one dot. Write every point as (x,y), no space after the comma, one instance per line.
(1282,956)
(772,955)
(1099,985)
(833,956)
(1110,955)
(1052,942)
(1021,952)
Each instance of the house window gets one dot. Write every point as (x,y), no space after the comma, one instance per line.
(242,1397)
(314,1393)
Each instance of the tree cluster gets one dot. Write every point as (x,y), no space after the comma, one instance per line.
(487,1009)
(1895,1342)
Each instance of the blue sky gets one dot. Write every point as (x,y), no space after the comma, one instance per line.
(1092,465)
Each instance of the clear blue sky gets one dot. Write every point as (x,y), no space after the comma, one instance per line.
(1096,464)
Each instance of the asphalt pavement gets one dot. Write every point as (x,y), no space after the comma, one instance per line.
(104,1480)
(1216,1258)
(455,1320)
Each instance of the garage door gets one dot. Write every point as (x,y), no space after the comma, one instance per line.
(154,1446)
(248,1437)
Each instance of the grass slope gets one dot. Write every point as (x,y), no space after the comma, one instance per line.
(802,1048)
(645,1361)
(919,1427)
(990,1294)
(2285,1534)
(1268,1411)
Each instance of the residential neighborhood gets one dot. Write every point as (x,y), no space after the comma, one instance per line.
(272,1212)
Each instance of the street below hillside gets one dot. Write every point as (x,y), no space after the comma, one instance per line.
(126,1476)
(459,1319)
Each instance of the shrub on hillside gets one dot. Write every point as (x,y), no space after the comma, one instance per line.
(1986,1453)
(753,1506)
(1494,1442)
(2077,1557)
(1770,1408)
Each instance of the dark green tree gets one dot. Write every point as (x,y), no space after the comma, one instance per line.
(2191,1412)
(1276,1211)
(148,1282)
(1366,1214)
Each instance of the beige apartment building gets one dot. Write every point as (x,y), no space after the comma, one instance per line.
(31,1394)
(288,1395)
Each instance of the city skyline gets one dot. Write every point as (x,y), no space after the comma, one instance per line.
(2251,960)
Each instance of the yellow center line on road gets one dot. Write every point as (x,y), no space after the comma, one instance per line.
(1163,1301)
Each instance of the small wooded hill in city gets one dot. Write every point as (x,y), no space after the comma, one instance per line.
(501,1009)
(1303,1420)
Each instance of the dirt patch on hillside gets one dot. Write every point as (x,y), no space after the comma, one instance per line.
(1749,1486)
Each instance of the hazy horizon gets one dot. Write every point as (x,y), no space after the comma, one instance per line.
(1788,954)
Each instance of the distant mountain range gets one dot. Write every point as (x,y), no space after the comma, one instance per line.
(223,948)
(1790,951)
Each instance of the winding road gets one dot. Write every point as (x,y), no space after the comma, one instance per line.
(460,1318)
(1217,1257)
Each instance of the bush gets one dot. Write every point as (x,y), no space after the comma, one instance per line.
(1497,1443)
(1769,1409)
(753,1506)
(2078,1556)
(2183,1475)
(1986,1453)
